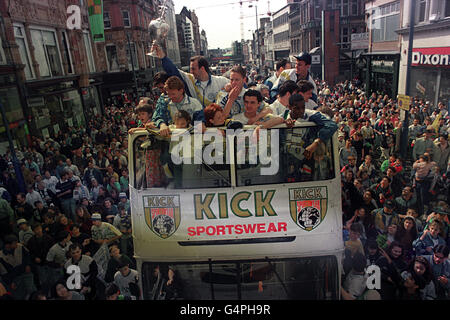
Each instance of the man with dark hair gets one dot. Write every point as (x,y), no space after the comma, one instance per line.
(280,66)
(300,72)
(232,102)
(252,100)
(177,100)
(64,192)
(15,268)
(159,79)
(440,265)
(200,83)
(280,105)
(305,88)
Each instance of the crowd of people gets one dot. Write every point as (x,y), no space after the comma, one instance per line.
(76,209)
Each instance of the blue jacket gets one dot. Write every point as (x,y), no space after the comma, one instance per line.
(162,112)
(326,126)
(421,245)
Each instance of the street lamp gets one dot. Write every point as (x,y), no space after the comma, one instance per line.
(257,38)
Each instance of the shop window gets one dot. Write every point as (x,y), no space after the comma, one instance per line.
(354,5)
(89,51)
(447,8)
(133,54)
(66,52)
(2,53)
(111,55)
(422,11)
(10,99)
(444,89)
(46,52)
(21,40)
(106,20)
(126,19)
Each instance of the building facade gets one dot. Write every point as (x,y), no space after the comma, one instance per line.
(281,36)
(382,61)
(430,73)
(46,84)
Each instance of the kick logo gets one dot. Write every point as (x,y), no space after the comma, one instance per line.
(162,214)
(308,206)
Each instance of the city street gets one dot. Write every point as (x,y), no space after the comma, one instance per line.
(224,150)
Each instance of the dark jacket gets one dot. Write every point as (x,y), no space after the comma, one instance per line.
(39,247)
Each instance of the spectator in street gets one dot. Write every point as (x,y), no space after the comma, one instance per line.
(60,292)
(429,239)
(127,280)
(39,246)
(103,232)
(25,232)
(64,192)
(385,217)
(117,258)
(57,256)
(88,268)
(418,284)
(23,209)
(391,265)
(440,265)
(15,268)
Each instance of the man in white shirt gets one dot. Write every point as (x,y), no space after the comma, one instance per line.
(252,100)
(280,105)
(127,280)
(50,181)
(200,83)
(305,88)
(300,72)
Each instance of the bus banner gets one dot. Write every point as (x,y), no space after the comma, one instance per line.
(224,214)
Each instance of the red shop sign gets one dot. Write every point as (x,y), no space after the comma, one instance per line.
(436,57)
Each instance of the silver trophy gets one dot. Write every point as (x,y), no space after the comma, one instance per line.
(159,30)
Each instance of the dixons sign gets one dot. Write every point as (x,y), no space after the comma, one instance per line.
(437,57)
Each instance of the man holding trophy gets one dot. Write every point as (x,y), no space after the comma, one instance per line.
(200,83)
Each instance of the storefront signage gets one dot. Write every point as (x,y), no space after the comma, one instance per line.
(385,66)
(315,59)
(404,101)
(36,102)
(436,57)
(360,41)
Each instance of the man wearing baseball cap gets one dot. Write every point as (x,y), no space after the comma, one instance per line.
(103,232)
(300,72)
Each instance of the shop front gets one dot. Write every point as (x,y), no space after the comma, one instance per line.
(11,101)
(430,74)
(382,73)
(54,108)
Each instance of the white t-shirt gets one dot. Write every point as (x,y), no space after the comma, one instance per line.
(124,282)
(277,108)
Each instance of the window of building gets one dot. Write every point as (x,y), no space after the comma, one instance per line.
(354,8)
(2,53)
(345,7)
(386,19)
(89,51)
(106,20)
(318,38)
(21,40)
(422,11)
(46,52)
(126,19)
(133,53)
(113,60)
(447,8)
(66,52)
